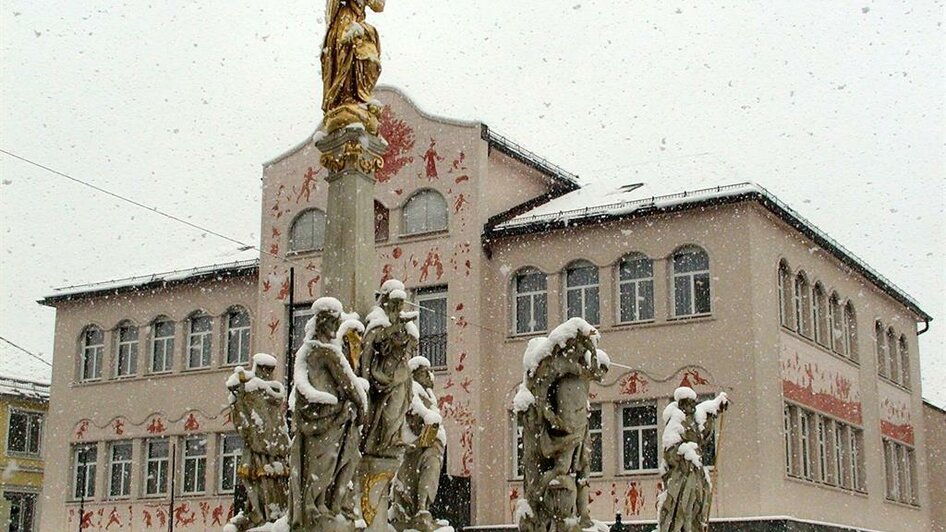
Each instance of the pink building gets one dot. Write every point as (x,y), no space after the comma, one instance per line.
(720,289)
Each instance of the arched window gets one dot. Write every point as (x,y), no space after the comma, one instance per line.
(581,291)
(904,362)
(93,347)
(162,345)
(636,288)
(127,359)
(880,337)
(819,314)
(199,341)
(835,325)
(530,301)
(424,212)
(893,355)
(381,221)
(238,336)
(308,231)
(691,282)
(785,295)
(802,296)
(850,332)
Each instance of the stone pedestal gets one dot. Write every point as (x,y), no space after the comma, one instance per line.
(375,475)
(352,156)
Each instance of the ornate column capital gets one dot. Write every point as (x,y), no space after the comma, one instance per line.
(351,149)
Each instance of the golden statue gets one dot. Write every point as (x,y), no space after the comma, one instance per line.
(351,65)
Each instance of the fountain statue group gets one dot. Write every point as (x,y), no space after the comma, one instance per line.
(365,427)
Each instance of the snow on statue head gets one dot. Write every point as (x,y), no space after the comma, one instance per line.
(324,324)
(264,365)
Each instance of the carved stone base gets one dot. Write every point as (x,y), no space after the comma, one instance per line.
(347,115)
(375,475)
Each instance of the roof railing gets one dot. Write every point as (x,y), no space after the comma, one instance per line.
(518,150)
(143,279)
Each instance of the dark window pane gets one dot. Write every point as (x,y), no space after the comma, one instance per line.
(690,261)
(636,268)
(649,445)
(594,419)
(523,314)
(646,302)
(541,312)
(16,437)
(595,453)
(573,303)
(701,287)
(591,304)
(631,450)
(681,296)
(629,302)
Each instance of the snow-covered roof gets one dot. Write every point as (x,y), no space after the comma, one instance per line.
(25,388)
(612,199)
(139,282)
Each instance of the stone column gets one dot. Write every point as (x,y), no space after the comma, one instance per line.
(352,156)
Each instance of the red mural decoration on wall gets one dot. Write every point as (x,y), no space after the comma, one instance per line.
(634,383)
(431,158)
(82,429)
(309,184)
(895,420)
(633,499)
(191,423)
(118,426)
(692,378)
(432,261)
(820,388)
(459,203)
(462,415)
(400,138)
(273,326)
(183,515)
(156,426)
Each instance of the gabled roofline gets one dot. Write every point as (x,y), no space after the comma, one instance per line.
(566,180)
(689,200)
(148,282)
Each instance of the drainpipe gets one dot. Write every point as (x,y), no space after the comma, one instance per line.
(926,326)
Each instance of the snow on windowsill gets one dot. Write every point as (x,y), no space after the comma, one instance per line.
(689,317)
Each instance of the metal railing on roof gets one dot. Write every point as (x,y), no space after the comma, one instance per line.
(183,273)
(517,150)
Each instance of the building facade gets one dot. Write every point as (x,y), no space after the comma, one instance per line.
(935,421)
(23,407)
(719,289)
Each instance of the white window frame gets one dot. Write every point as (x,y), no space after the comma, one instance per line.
(880,333)
(428,225)
(224,456)
(784,291)
(96,351)
(317,216)
(801,296)
(517,447)
(821,431)
(33,417)
(787,423)
(195,465)
(583,292)
(124,465)
(691,284)
(200,342)
(433,294)
(842,454)
(126,352)
(804,431)
(238,336)
(167,347)
(88,490)
(639,430)
(636,283)
(162,467)
(532,296)
(903,351)
(591,441)
(26,520)
(893,357)
(819,311)
(849,324)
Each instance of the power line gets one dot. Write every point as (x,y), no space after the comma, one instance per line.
(142,205)
(37,357)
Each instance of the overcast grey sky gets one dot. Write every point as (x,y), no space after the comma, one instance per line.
(835,107)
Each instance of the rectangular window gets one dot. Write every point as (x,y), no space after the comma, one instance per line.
(238,337)
(300,316)
(857,459)
(92,351)
(637,300)
(900,467)
(22,506)
(157,464)
(787,424)
(432,323)
(517,446)
(842,454)
(127,351)
(119,483)
(84,458)
(199,342)
(231,446)
(195,465)
(25,432)
(531,299)
(805,435)
(594,440)
(822,450)
(639,438)
(162,347)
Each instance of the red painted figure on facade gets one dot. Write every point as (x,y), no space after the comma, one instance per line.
(431,158)
(633,499)
(156,426)
(308,184)
(114,519)
(432,261)
(633,383)
(400,139)
(191,423)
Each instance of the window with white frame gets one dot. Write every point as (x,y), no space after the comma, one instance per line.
(127,359)
(788,423)
(856,458)
(231,446)
(639,438)
(785,295)
(162,346)
(835,340)
(83,471)
(841,454)
(880,339)
(25,432)
(93,347)
(195,465)
(819,315)
(157,466)
(530,301)
(581,292)
(893,357)
(904,353)
(900,467)
(301,314)
(850,332)
(199,341)
(636,288)
(308,231)
(691,282)
(432,324)
(238,336)
(823,454)
(119,469)
(804,433)
(595,460)
(424,212)
(22,505)
(517,449)
(802,298)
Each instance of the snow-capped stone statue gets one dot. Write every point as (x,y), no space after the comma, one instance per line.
(257,411)
(328,403)
(684,505)
(391,339)
(415,486)
(552,405)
